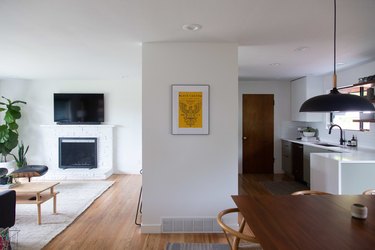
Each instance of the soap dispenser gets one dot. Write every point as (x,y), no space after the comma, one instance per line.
(353,142)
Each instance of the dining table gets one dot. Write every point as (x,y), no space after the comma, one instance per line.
(308,221)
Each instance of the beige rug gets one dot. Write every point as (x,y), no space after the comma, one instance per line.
(73,199)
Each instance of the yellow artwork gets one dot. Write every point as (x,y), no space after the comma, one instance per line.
(190,109)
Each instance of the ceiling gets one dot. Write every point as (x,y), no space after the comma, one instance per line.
(102,39)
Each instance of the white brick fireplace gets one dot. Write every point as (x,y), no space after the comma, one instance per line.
(104,135)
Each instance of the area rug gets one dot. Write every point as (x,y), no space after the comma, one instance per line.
(283,187)
(73,199)
(196,246)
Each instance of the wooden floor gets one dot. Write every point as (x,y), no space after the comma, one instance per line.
(109,222)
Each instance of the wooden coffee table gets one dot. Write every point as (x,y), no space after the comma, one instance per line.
(36,193)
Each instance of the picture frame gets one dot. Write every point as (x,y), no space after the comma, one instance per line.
(190,109)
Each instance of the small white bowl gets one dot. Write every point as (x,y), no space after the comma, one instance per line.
(308,134)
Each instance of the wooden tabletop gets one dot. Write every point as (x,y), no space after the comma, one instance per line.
(33,187)
(309,222)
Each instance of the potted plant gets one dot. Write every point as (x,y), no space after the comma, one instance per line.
(4,179)
(9,129)
(21,159)
(309,132)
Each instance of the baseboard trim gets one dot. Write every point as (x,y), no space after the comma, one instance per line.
(151,228)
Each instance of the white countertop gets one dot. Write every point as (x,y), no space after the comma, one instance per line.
(344,154)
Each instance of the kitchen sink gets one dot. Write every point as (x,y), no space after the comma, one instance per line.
(327,145)
(333,147)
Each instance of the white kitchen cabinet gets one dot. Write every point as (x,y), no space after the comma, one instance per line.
(307,150)
(342,173)
(301,90)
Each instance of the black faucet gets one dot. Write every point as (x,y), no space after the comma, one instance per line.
(330,130)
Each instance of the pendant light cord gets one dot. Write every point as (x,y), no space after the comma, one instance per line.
(334,45)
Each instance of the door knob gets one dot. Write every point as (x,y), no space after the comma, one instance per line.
(245,138)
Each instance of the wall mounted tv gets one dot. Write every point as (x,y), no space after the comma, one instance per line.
(74,108)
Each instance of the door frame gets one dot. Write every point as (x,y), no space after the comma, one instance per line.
(283,127)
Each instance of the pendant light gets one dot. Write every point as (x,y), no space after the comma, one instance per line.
(335,101)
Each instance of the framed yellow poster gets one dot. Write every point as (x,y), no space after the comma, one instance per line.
(190,109)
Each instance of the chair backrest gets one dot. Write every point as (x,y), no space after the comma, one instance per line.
(310,192)
(369,192)
(7,208)
(233,236)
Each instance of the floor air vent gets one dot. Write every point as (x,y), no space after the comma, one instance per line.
(190,225)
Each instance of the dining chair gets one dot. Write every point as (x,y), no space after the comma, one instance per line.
(233,236)
(369,192)
(309,192)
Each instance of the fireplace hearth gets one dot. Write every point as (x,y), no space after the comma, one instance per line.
(77,152)
(103,134)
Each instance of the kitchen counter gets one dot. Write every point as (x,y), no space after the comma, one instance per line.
(346,170)
(344,153)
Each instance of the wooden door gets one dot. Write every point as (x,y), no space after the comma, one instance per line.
(257,135)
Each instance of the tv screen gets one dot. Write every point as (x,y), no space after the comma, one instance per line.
(78,108)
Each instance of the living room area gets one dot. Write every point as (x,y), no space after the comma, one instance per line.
(133,142)
(117,150)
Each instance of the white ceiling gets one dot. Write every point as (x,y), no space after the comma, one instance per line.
(101,39)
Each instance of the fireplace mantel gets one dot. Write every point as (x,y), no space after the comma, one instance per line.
(104,135)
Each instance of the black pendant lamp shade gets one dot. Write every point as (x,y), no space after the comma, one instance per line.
(335,101)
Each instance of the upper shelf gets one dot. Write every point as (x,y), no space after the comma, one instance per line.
(364,120)
(370,83)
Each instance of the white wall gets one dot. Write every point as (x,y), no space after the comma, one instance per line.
(188,175)
(347,77)
(122,109)
(281,92)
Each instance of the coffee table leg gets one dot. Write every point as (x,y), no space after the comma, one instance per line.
(54,204)
(54,199)
(39,215)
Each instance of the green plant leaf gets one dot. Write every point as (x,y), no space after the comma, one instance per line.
(18,101)
(9,101)
(12,141)
(27,149)
(16,114)
(3,150)
(4,134)
(15,108)
(8,117)
(13,126)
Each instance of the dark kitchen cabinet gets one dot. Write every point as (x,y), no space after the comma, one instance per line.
(297,161)
(286,153)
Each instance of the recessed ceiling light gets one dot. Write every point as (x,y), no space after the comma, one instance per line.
(301,49)
(192,27)
(275,64)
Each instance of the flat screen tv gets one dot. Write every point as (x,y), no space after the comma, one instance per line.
(74,108)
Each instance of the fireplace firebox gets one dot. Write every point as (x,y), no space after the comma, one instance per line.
(79,152)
